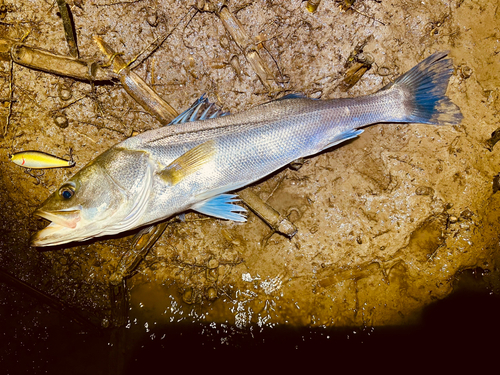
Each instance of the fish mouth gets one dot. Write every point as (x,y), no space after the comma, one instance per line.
(63,218)
(62,224)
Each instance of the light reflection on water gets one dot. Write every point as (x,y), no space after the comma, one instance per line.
(161,325)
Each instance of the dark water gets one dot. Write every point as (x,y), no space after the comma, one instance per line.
(37,339)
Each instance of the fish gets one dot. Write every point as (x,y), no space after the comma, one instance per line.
(39,160)
(198,162)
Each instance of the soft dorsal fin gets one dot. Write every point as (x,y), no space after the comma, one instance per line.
(201,109)
(188,163)
(287,97)
(293,96)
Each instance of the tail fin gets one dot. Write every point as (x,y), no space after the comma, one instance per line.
(425,92)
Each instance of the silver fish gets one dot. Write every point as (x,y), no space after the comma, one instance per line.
(192,165)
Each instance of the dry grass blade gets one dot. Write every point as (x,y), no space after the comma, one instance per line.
(69,27)
(249,49)
(136,87)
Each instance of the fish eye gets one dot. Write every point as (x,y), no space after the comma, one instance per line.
(67,192)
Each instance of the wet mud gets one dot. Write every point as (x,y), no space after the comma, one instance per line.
(387,224)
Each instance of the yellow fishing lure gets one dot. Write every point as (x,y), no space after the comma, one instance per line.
(39,160)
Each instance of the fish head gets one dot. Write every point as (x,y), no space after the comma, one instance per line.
(80,208)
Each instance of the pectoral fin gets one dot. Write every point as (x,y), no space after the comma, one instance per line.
(188,163)
(222,206)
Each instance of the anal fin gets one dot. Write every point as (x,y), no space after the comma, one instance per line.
(342,137)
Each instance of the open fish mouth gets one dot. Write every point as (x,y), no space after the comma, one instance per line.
(61,226)
(63,218)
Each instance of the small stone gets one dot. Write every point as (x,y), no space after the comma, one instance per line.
(466,214)
(424,190)
(211,293)
(235,64)
(61,121)
(152,19)
(213,263)
(297,164)
(464,71)
(65,93)
(188,296)
(224,43)
(200,5)
(212,274)
(383,71)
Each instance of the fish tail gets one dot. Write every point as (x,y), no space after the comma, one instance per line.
(424,88)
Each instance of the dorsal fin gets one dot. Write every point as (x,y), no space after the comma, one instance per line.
(293,96)
(202,105)
(287,97)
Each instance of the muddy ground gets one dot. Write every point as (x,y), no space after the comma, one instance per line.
(387,224)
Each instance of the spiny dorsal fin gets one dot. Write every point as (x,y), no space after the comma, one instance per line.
(188,163)
(201,109)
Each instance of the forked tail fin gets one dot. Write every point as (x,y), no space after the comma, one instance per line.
(425,87)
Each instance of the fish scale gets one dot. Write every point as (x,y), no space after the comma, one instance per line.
(248,152)
(193,165)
